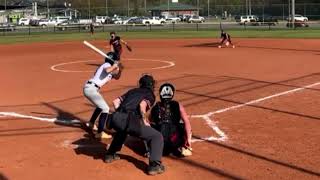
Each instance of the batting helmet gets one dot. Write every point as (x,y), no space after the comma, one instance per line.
(112,57)
(147,81)
(166,92)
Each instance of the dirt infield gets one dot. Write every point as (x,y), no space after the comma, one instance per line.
(254,109)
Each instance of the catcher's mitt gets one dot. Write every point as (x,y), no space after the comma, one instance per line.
(116,75)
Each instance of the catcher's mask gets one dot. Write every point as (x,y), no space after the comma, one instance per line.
(112,57)
(147,81)
(166,92)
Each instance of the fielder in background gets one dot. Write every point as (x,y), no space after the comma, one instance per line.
(170,118)
(225,40)
(109,70)
(130,118)
(116,45)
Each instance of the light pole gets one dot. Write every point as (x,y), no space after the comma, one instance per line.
(107,8)
(208,8)
(168,8)
(250,7)
(198,6)
(128,8)
(145,6)
(89,9)
(293,11)
(5,5)
(48,11)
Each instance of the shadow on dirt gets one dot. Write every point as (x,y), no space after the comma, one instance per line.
(97,150)
(214,44)
(261,157)
(280,49)
(93,64)
(213,170)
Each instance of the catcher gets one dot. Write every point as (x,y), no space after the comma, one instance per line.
(170,118)
(115,45)
(225,39)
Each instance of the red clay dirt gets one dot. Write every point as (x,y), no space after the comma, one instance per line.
(277,138)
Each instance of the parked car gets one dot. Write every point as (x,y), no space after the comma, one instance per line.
(196,19)
(47,22)
(7,27)
(24,22)
(72,24)
(266,20)
(108,21)
(122,20)
(101,19)
(135,21)
(154,21)
(34,22)
(246,19)
(298,17)
(173,19)
(298,24)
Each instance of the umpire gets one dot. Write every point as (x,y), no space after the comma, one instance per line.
(130,119)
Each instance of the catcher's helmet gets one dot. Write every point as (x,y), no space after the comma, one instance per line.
(166,92)
(112,57)
(147,81)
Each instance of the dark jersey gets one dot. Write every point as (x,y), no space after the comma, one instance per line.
(130,102)
(166,113)
(116,43)
(166,119)
(225,36)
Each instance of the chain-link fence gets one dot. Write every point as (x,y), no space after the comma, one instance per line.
(212,26)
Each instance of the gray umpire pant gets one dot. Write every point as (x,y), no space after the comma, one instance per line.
(91,92)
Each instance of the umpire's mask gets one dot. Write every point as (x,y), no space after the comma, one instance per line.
(166,92)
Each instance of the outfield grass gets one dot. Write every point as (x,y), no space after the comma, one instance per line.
(76,36)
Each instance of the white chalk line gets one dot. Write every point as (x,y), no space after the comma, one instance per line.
(206,117)
(52,120)
(222,136)
(57,69)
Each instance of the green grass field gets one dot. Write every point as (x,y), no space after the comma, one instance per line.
(76,36)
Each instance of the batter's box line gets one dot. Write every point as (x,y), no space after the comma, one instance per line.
(209,122)
(213,125)
(222,136)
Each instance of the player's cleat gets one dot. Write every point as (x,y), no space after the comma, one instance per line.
(186,151)
(233,46)
(92,126)
(219,46)
(111,157)
(155,168)
(102,135)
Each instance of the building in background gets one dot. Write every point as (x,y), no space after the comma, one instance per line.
(174,10)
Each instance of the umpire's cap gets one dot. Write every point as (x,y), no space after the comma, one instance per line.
(147,81)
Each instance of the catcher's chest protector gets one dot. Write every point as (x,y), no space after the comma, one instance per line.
(168,113)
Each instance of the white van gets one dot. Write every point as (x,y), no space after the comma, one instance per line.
(248,19)
(24,22)
(101,19)
(60,19)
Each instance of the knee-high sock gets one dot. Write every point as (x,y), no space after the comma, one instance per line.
(95,115)
(102,121)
